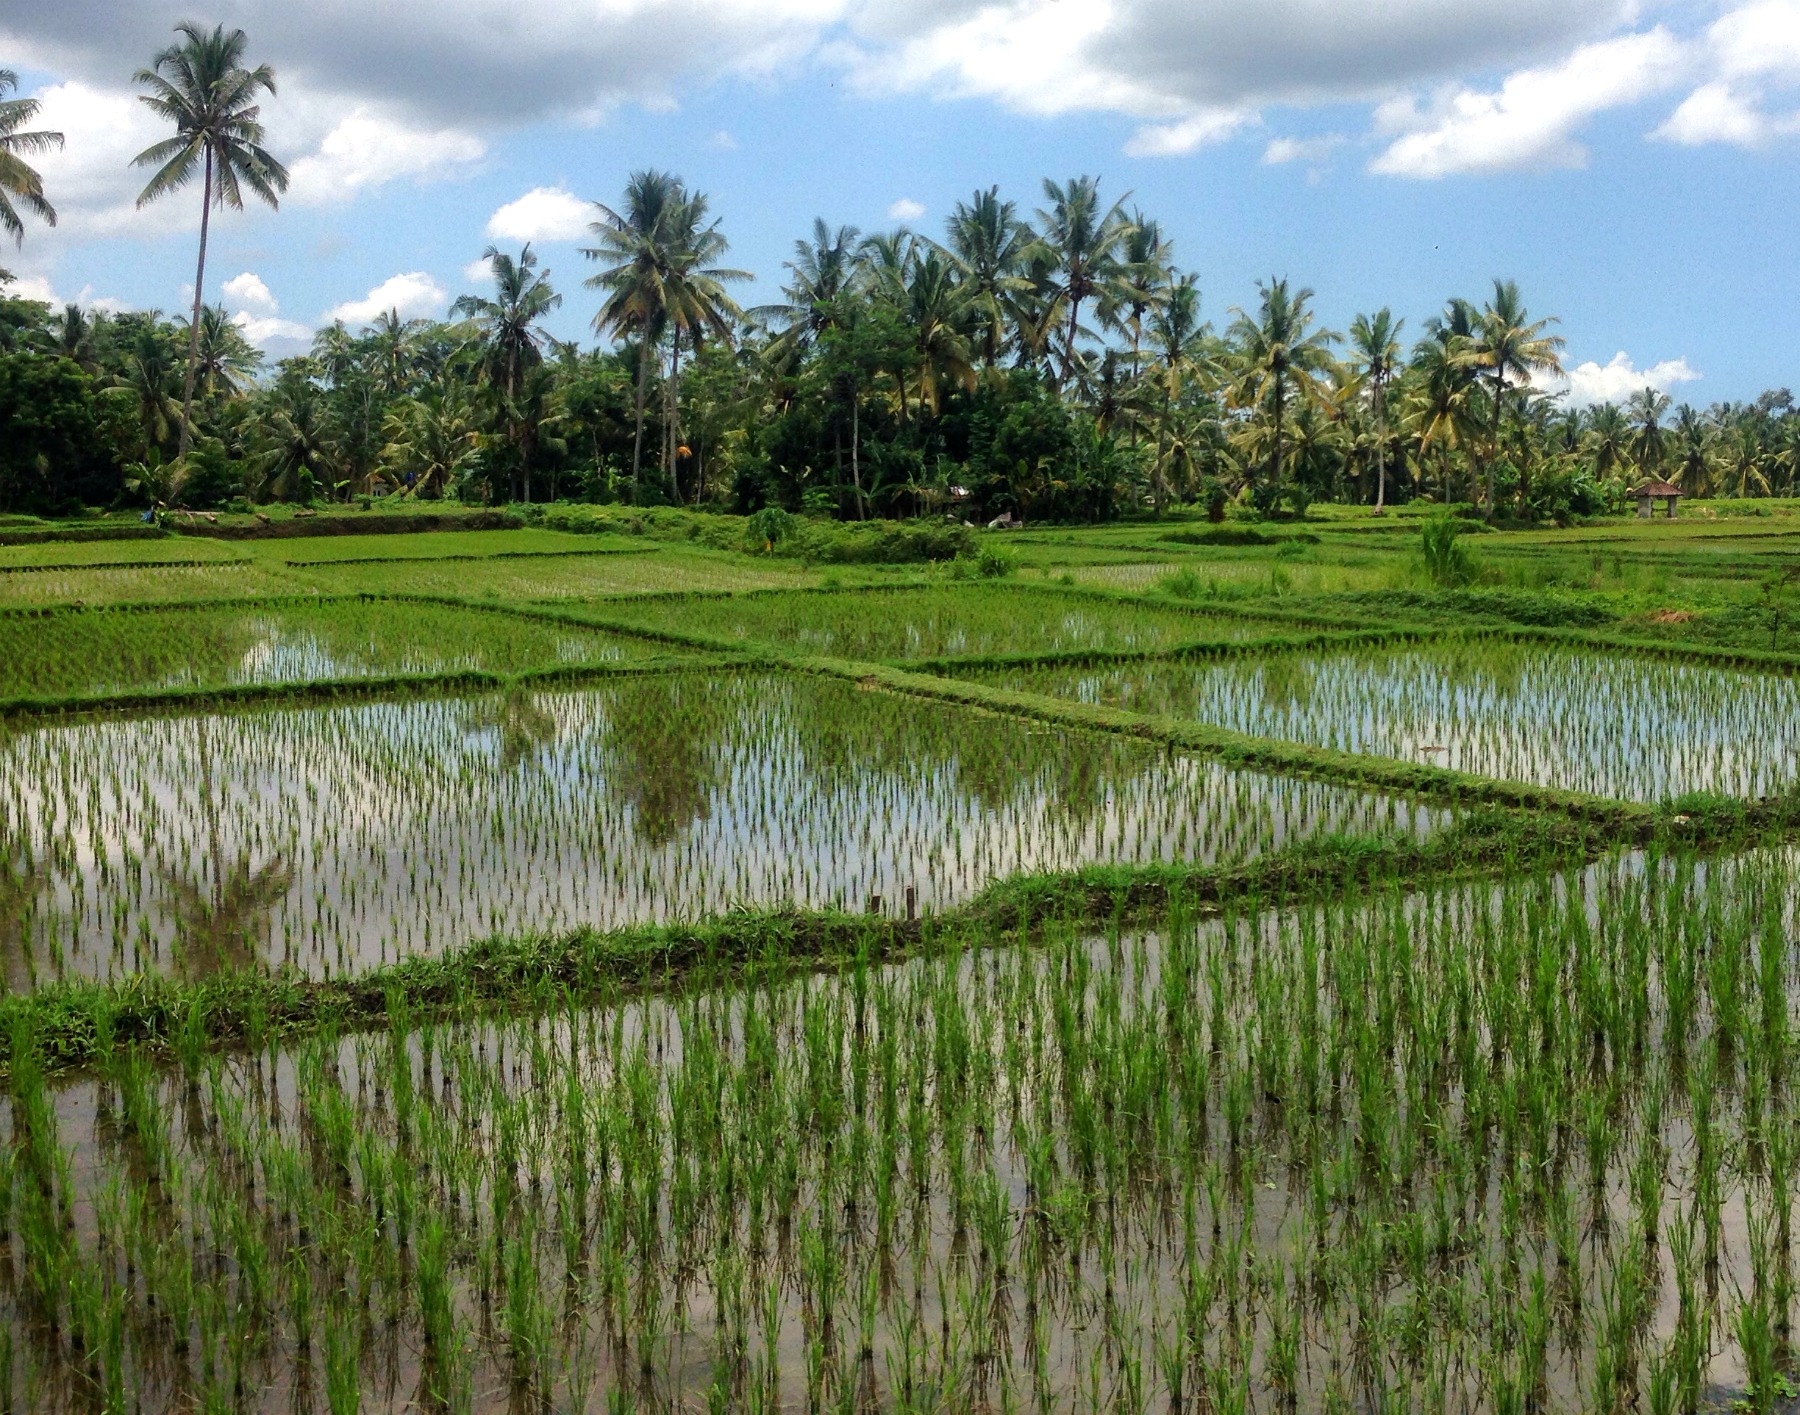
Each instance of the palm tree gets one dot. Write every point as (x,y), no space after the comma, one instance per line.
(1279,355)
(19,181)
(1508,342)
(1375,351)
(201,86)
(225,357)
(937,309)
(512,344)
(1084,240)
(1693,452)
(1649,440)
(1139,283)
(511,340)
(695,301)
(824,270)
(1608,436)
(1180,354)
(75,336)
(637,243)
(987,240)
(393,353)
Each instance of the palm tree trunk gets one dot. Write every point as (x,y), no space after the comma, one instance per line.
(1380,449)
(672,436)
(1275,453)
(193,364)
(1069,343)
(1494,438)
(862,508)
(643,387)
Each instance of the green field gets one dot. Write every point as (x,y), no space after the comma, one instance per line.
(1150,968)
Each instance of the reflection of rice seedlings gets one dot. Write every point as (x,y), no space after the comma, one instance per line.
(21,883)
(520,722)
(219,924)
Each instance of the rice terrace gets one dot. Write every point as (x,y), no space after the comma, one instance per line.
(951,837)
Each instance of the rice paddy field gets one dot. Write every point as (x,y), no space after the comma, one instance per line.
(1636,728)
(506,971)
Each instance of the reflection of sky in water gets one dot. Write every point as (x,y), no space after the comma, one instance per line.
(414,827)
(1634,728)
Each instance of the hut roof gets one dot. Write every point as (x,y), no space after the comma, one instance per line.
(1657,488)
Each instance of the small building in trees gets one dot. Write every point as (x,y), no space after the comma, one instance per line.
(1653,491)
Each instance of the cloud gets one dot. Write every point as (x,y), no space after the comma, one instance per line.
(1531,120)
(247,292)
(1309,150)
(1199,72)
(478,272)
(414,295)
(724,141)
(1751,54)
(1196,131)
(1617,379)
(369,149)
(542,214)
(906,209)
(265,331)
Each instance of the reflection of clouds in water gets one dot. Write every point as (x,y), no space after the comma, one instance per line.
(1635,728)
(413,827)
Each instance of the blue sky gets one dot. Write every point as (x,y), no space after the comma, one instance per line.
(1631,164)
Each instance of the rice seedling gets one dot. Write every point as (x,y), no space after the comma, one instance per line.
(1392,1151)
(326,840)
(99,652)
(1613,725)
(938,621)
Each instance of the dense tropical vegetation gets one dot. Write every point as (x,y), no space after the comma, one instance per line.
(1052,364)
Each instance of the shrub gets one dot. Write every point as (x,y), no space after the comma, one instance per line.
(1447,562)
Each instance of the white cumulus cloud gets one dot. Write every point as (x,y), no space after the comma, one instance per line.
(542,214)
(369,149)
(1618,378)
(906,209)
(413,295)
(1751,56)
(248,292)
(1532,119)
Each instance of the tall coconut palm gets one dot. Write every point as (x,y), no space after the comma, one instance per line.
(1375,353)
(226,359)
(1649,439)
(1608,438)
(636,243)
(937,309)
(202,87)
(1140,282)
(512,343)
(1085,239)
(697,302)
(19,181)
(987,240)
(1693,468)
(823,271)
(1507,342)
(1280,358)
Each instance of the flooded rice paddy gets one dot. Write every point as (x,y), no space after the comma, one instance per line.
(331,838)
(1635,728)
(1476,1147)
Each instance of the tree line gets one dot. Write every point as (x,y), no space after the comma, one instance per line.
(1052,363)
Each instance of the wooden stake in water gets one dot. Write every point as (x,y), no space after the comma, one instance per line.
(912,903)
